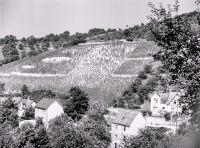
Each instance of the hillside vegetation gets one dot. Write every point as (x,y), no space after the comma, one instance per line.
(102,69)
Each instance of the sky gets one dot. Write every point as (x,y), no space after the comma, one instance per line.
(23,18)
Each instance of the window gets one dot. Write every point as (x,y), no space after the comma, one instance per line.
(163,107)
(124,128)
(174,102)
(156,100)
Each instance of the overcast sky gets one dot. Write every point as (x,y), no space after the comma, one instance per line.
(41,17)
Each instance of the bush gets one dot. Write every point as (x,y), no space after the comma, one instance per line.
(167,116)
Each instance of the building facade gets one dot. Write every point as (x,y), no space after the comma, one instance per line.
(47,109)
(165,102)
(124,123)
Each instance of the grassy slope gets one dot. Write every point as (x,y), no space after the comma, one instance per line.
(92,67)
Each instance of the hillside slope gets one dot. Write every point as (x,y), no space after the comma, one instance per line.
(103,70)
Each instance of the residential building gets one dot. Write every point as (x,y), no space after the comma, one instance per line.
(124,122)
(48,109)
(165,102)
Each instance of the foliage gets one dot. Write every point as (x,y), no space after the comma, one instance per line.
(96,31)
(25,91)
(90,132)
(76,103)
(28,114)
(10,53)
(167,116)
(148,138)
(8,113)
(2,87)
(179,54)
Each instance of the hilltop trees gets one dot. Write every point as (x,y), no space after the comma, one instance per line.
(10,53)
(76,104)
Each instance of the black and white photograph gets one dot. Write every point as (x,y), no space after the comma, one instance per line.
(99,73)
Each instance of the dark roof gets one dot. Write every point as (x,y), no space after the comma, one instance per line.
(121,116)
(45,103)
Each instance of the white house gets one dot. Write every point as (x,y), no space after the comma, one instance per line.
(165,102)
(48,109)
(124,122)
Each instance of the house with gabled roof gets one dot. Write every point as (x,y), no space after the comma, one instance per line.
(124,123)
(47,109)
(165,102)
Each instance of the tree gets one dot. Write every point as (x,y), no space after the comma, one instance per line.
(5,136)
(100,135)
(10,53)
(76,104)
(25,91)
(41,139)
(23,54)
(63,133)
(148,138)
(21,47)
(2,87)
(29,113)
(25,136)
(8,113)
(179,54)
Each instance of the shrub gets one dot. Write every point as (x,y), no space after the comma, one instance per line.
(167,116)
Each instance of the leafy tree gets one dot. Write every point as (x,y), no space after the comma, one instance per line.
(96,31)
(21,47)
(10,39)
(41,139)
(179,54)
(25,91)
(29,114)
(5,136)
(2,87)
(100,135)
(23,54)
(25,136)
(37,95)
(148,138)
(64,134)
(10,53)
(76,104)
(8,113)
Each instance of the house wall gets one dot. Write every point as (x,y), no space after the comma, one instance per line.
(118,132)
(54,110)
(42,114)
(138,123)
(155,104)
(157,108)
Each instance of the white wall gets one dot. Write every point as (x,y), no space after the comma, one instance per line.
(118,132)
(42,114)
(155,107)
(54,110)
(138,123)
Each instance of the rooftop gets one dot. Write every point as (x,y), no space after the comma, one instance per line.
(45,103)
(121,116)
